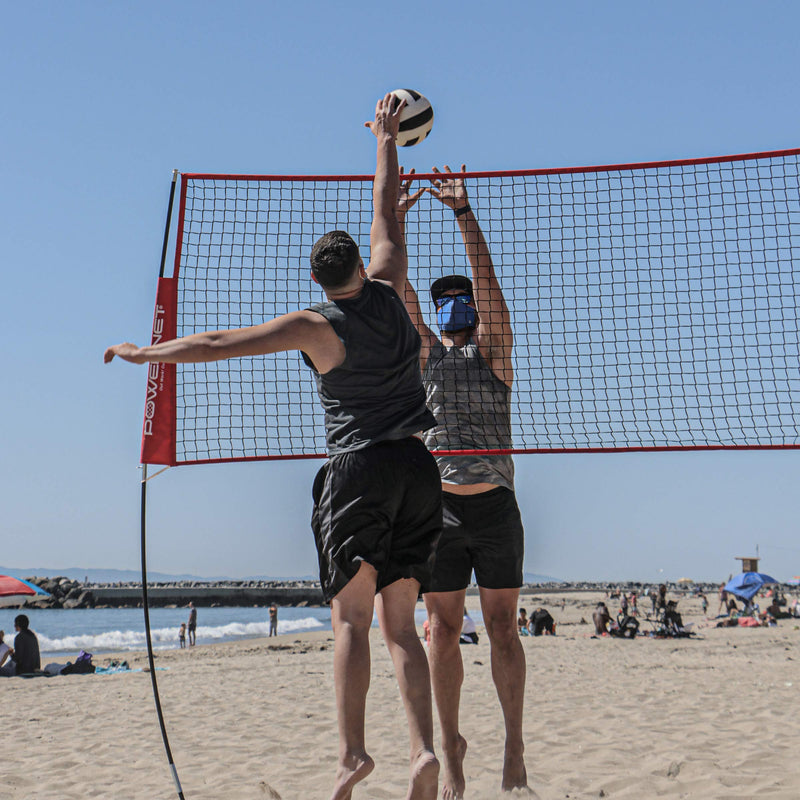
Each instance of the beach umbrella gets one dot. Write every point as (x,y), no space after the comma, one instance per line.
(746,584)
(685,580)
(795,580)
(15,591)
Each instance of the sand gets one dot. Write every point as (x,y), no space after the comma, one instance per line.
(716,716)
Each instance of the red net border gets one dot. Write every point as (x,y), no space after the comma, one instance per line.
(627,167)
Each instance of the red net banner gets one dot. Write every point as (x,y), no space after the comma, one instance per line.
(654,306)
(158,429)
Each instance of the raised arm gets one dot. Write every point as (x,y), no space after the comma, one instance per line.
(405,201)
(493,335)
(388,260)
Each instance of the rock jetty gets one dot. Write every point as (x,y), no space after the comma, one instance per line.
(68,593)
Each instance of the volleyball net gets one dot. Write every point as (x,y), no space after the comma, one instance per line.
(654,306)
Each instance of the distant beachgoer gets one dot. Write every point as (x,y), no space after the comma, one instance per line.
(775,611)
(426,630)
(522,622)
(601,618)
(26,647)
(182,634)
(192,627)
(653,601)
(634,606)
(672,617)
(623,604)
(723,599)
(273,620)
(661,601)
(704,603)
(542,622)
(469,633)
(7,665)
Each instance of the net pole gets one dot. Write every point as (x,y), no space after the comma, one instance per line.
(165,244)
(148,637)
(143,545)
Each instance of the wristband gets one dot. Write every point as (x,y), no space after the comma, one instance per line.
(459,212)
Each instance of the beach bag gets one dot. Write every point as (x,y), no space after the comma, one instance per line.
(82,666)
(626,628)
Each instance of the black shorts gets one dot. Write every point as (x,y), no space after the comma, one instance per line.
(481,532)
(382,505)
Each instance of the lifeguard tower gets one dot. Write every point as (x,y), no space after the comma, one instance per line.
(749,564)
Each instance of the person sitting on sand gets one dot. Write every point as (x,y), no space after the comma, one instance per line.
(469,633)
(672,617)
(26,647)
(522,622)
(601,618)
(542,622)
(774,611)
(7,665)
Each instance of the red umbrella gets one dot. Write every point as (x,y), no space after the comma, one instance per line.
(15,591)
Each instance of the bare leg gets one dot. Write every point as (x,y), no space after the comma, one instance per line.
(395,606)
(351,617)
(446,614)
(499,608)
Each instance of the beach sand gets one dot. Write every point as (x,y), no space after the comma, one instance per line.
(715,716)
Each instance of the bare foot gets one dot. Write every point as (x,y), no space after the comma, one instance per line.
(353,769)
(454,783)
(424,781)
(514,774)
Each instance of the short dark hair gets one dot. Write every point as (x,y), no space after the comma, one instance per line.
(22,621)
(334,259)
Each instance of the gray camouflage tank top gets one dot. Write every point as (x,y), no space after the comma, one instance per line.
(472,407)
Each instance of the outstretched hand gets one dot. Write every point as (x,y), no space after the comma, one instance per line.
(405,200)
(450,191)
(126,351)
(387,116)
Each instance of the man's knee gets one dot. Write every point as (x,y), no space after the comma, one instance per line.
(445,631)
(501,627)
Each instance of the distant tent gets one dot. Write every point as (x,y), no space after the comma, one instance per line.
(747,584)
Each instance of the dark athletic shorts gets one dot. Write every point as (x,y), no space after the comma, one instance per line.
(481,532)
(382,505)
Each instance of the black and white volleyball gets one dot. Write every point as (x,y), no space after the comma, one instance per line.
(416,119)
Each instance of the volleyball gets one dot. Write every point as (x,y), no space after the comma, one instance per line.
(416,119)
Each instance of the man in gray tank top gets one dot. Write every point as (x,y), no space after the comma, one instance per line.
(377,500)
(468,377)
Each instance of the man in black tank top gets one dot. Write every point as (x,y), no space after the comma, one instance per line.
(468,377)
(377,501)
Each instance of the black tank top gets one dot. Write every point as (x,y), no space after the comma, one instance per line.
(376,393)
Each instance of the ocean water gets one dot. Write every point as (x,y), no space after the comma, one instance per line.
(63,633)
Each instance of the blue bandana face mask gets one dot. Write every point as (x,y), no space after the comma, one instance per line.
(454,314)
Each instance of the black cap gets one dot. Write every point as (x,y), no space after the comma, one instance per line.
(442,285)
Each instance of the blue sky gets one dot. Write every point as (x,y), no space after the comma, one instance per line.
(102,101)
